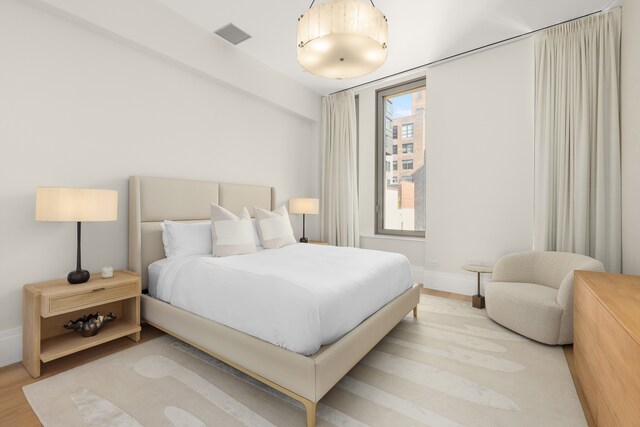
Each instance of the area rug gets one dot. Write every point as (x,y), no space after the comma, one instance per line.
(451,367)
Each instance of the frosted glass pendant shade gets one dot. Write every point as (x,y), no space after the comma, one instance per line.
(342,39)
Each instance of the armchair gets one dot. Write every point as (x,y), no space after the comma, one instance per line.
(531,293)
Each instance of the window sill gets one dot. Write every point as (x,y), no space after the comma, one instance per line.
(386,237)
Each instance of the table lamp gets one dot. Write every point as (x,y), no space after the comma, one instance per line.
(304,206)
(77,205)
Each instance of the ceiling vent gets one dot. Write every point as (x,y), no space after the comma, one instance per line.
(232,34)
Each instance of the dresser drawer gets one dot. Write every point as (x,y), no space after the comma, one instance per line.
(57,304)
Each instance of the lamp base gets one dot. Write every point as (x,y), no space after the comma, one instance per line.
(78,276)
(304,240)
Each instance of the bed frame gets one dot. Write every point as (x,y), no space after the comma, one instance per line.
(304,378)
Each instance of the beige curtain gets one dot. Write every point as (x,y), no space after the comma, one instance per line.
(577,139)
(339,170)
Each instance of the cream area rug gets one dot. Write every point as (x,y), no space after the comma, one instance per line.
(451,367)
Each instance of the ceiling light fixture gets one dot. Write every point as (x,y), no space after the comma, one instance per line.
(342,39)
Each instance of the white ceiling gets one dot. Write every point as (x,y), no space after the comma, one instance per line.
(420,31)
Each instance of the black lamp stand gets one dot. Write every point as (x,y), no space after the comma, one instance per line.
(303,239)
(78,275)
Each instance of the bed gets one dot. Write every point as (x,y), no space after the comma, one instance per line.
(304,378)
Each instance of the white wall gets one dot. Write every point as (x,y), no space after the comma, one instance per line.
(79,108)
(412,248)
(630,104)
(149,26)
(479,162)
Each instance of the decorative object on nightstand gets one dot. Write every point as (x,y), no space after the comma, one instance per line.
(304,207)
(48,305)
(477,301)
(77,205)
(91,324)
(107,272)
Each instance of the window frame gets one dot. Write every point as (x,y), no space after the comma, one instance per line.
(407,162)
(405,147)
(405,130)
(380,158)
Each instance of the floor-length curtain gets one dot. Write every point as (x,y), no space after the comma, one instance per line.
(577,139)
(339,170)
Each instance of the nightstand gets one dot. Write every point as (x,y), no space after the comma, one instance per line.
(317,242)
(50,305)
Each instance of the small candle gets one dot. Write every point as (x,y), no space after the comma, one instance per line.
(107,272)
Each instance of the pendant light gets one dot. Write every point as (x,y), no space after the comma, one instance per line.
(342,39)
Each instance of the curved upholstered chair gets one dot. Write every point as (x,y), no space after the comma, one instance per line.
(531,293)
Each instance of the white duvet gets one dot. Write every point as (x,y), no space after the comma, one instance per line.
(298,297)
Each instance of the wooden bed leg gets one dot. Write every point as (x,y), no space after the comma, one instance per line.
(415,311)
(311,413)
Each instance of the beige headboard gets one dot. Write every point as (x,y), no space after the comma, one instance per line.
(152,200)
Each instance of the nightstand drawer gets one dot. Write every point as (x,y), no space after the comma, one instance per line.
(56,304)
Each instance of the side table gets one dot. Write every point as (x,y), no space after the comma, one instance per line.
(49,305)
(477,301)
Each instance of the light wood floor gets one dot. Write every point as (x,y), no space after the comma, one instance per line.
(15,411)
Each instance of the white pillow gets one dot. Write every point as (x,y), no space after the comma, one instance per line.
(232,234)
(256,236)
(274,228)
(182,239)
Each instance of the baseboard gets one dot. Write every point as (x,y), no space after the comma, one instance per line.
(10,346)
(465,284)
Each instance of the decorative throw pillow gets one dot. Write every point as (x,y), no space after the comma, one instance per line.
(182,238)
(232,234)
(274,228)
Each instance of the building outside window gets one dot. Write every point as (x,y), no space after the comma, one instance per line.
(400,199)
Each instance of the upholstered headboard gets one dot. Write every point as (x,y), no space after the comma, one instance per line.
(152,200)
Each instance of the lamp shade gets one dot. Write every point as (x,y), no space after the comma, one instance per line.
(342,39)
(76,204)
(304,206)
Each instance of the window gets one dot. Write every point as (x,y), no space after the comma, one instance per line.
(407,148)
(400,198)
(407,130)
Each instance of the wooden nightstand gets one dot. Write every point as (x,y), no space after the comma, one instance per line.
(50,305)
(317,242)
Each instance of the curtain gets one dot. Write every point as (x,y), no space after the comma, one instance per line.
(577,139)
(339,170)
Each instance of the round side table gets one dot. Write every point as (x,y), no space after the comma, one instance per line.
(477,301)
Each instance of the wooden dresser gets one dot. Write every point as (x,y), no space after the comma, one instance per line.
(607,345)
